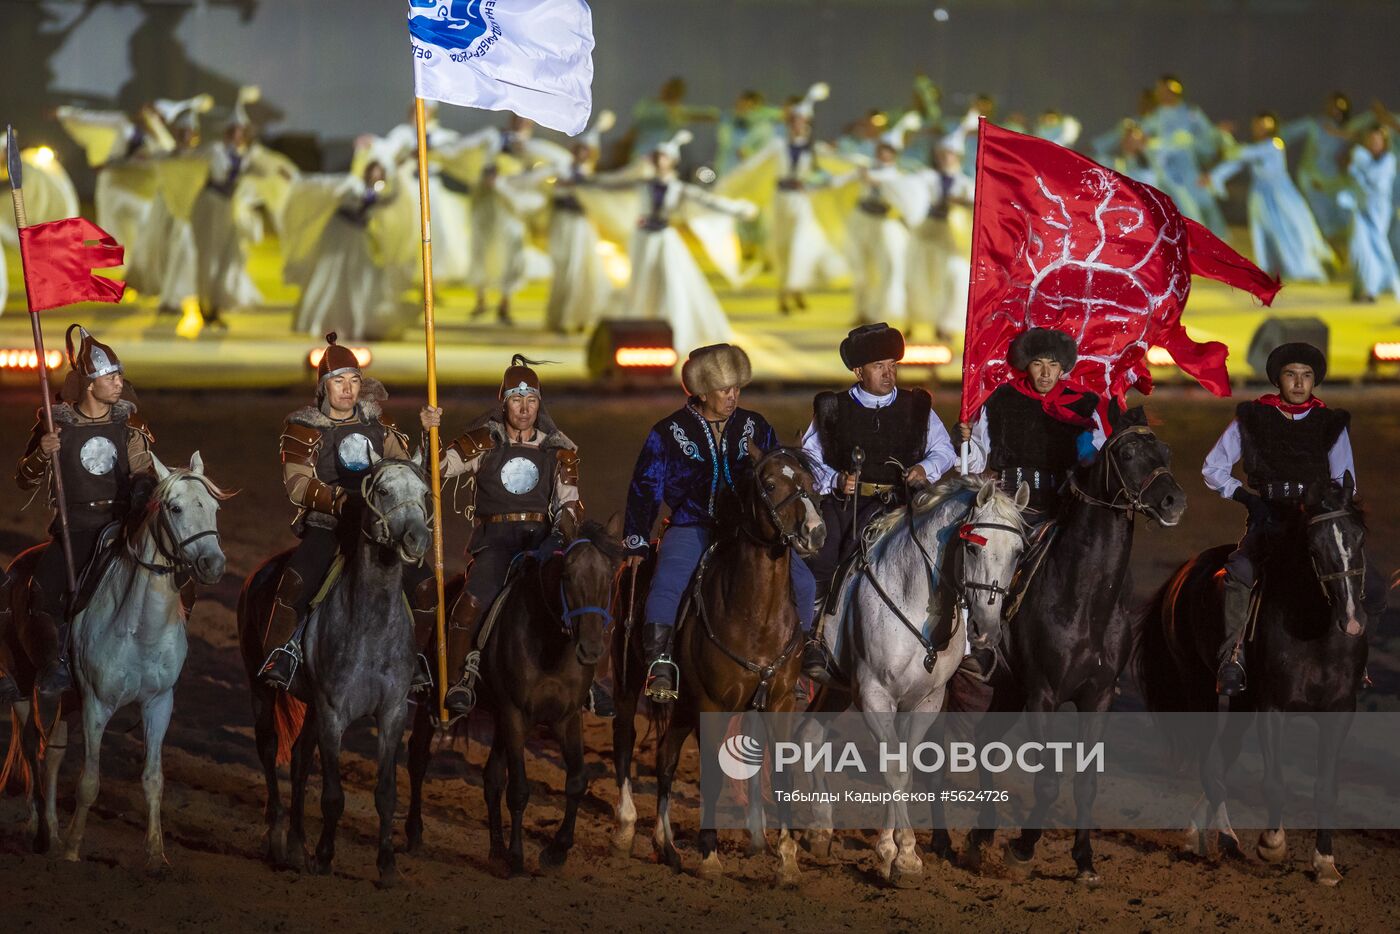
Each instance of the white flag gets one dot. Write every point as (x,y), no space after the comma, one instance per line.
(533,57)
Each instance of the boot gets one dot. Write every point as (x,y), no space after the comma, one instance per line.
(463,656)
(1230,678)
(9,691)
(663,677)
(979,663)
(280,642)
(57,676)
(600,702)
(816,660)
(423,604)
(503,314)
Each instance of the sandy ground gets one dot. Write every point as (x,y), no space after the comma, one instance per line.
(214,795)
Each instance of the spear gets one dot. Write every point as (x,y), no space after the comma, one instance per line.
(22,221)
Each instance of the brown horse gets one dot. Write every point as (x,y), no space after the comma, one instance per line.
(537,667)
(736,648)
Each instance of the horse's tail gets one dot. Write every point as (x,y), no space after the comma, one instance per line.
(15,763)
(288,715)
(1165,687)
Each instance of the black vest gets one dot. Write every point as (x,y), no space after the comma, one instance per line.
(899,430)
(343,459)
(1022,435)
(515,478)
(1275,448)
(96,474)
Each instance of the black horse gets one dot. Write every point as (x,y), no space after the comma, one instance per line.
(1308,655)
(1071,639)
(537,667)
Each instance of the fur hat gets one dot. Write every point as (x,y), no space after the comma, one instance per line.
(519,379)
(717,366)
(335,360)
(871,342)
(91,358)
(1296,352)
(1040,343)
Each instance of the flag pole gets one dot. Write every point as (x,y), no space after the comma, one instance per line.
(16,168)
(430,341)
(966,447)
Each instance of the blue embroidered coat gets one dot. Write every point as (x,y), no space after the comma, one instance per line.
(681,466)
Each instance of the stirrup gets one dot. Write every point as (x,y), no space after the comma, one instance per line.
(659,693)
(271,671)
(1226,686)
(464,691)
(422,675)
(816,661)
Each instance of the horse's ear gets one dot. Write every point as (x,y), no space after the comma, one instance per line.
(614,525)
(1348,485)
(374,457)
(196,464)
(984,495)
(755,453)
(418,458)
(161,470)
(1023,495)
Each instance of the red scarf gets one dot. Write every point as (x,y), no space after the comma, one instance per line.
(1056,403)
(1275,400)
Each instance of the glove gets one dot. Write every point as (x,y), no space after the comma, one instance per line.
(1084,448)
(1259,511)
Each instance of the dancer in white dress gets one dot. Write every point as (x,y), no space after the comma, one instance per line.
(447,194)
(580,290)
(939,266)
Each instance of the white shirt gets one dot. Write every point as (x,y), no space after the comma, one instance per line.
(1220,462)
(938,447)
(982,441)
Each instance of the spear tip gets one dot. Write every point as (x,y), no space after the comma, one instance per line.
(12,154)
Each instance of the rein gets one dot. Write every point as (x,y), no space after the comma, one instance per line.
(1324,579)
(568,615)
(163,534)
(380,526)
(786,537)
(1132,499)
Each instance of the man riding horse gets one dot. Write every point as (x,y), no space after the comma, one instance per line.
(327,449)
(692,461)
(523,475)
(101,445)
(1289,442)
(867,443)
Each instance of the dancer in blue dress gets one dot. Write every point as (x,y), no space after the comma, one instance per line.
(1183,138)
(1370,201)
(1321,165)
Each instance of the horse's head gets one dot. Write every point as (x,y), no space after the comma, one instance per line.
(1336,532)
(992,538)
(1135,470)
(592,559)
(396,512)
(779,501)
(185,504)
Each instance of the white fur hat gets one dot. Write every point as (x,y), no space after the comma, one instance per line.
(717,366)
(672,146)
(894,136)
(817,92)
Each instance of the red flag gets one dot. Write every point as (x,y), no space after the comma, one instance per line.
(58,262)
(1060,241)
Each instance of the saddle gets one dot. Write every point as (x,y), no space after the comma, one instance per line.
(90,574)
(493,612)
(1034,556)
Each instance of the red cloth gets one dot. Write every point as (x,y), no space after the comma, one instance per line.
(1277,402)
(1060,241)
(1056,403)
(58,263)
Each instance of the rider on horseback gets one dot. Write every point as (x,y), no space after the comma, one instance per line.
(523,475)
(1034,430)
(691,461)
(855,439)
(327,449)
(101,444)
(1289,441)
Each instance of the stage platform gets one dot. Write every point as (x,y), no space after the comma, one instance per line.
(259,350)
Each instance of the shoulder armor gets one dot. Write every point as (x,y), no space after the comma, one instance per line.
(299,443)
(568,466)
(138,424)
(392,427)
(474,442)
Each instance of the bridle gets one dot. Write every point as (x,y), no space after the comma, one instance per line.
(167,547)
(1131,500)
(568,616)
(787,538)
(378,530)
(1324,579)
(965,588)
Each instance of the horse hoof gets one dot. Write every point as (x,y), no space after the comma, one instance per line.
(517,867)
(157,867)
(756,847)
(388,880)
(906,873)
(1018,865)
(788,877)
(316,867)
(72,856)
(414,844)
(1088,878)
(1325,869)
(622,842)
(1229,846)
(1271,849)
(819,843)
(553,857)
(710,868)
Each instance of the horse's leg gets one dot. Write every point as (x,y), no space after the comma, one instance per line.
(880,716)
(754,816)
(788,871)
(493,783)
(265,736)
(155,719)
(420,751)
(1092,727)
(1273,843)
(941,843)
(668,754)
(329,734)
(982,835)
(908,866)
(37,824)
(707,838)
(390,720)
(517,784)
(811,734)
(1231,739)
(1329,748)
(569,734)
(302,751)
(95,719)
(624,739)
(1021,849)
(54,751)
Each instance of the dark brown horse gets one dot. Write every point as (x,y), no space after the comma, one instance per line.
(737,648)
(537,667)
(1308,655)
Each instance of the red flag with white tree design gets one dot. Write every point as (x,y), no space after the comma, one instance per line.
(1061,242)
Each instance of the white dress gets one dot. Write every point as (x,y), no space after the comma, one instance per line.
(221,272)
(48,196)
(939,270)
(879,243)
(161,260)
(450,208)
(580,291)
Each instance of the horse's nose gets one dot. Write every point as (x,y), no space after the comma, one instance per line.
(816,536)
(416,541)
(589,651)
(1173,506)
(210,567)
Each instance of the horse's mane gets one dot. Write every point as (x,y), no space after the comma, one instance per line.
(147,493)
(951,486)
(597,533)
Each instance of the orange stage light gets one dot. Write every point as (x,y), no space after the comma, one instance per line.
(362,356)
(19,358)
(926,355)
(646,357)
(1158,356)
(1386,352)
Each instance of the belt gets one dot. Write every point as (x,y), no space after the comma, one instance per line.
(1037,478)
(874,208)
(515,517)
(568,203)
(791,184)
(653,224)
(873,489)
(97,503)
(1282,489)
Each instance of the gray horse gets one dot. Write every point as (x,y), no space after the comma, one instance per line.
(914,572)
(129,645)
(359,661)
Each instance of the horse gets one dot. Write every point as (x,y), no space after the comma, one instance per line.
(359,660)
(736,648)
(537,667)
(1070,639)
(1308,654)
(917,570)
(128,647)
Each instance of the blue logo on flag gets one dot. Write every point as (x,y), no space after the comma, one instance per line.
(449,24)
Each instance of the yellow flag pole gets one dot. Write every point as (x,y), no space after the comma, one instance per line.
(430,340)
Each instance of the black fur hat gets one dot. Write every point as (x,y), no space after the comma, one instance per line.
(1043,342)
(871,342)
(1296,352)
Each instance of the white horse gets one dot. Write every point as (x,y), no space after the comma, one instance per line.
(129,645)
(896,666)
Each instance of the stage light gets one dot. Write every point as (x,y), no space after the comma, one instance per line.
(363,357)
(1159,356)
(1275,331)
(616,266)
(646,357)
(42,155)
(1386,352)
(20,358)
(926,355)
(628,352)
(940,14)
